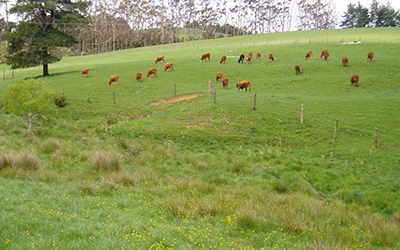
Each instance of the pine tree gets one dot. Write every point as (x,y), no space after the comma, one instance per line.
(35,40)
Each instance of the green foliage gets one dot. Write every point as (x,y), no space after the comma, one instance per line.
(36,38)
(29,99)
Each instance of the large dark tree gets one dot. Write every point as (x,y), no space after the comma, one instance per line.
(36,38)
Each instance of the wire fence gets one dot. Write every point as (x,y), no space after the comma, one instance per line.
(254,42)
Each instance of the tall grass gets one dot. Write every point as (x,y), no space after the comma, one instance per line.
(19,160)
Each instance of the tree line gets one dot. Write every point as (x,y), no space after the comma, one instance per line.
(378,15)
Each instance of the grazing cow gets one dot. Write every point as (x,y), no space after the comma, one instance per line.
(225,82)
(258,55)
(250,53)
(114,79)
(297,68)
(241,58)
(271,57)
(219,76)
(248,58)
(354,80)
(345,61)
(325,54)
(223,59)
(309,55)
(139,76)
(370,56)
(160,58)
(205,56)
(85,72)
(169,66)
(152,71)
(243,85)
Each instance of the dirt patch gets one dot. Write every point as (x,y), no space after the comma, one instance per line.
(176,98)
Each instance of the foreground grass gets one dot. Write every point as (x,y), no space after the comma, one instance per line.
(194,174)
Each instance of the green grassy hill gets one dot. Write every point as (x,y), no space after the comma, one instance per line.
(195,174)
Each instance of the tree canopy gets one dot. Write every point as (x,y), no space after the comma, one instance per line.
(37,37)
(379,15)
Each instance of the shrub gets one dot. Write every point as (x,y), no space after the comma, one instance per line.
(60,100)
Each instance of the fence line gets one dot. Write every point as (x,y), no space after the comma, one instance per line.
(248,42)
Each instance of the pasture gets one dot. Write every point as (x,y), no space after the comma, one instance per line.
(204,174)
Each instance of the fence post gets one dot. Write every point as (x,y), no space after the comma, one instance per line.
(175,90)
(215,95)
(114,98)
(88,98)
(376,138)
(210,89)
(302,113)
(142,95)
(254,104)
(336,126)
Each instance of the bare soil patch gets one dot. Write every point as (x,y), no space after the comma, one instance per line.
(176,98)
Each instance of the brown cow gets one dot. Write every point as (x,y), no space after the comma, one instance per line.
(297,68)
(219,76)
(85,72)
(243,85)
(258,55)
(354,80)
(325,54)
(139,76)
(223,59)
(250,54)
(271,57)
(248,58)
(225,82)
(205,56)
(309,54)
(370,56)
(345,61)
(169,66)
(160,58)
(152,71)
(114,79)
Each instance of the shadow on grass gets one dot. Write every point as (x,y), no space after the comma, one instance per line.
(53,75)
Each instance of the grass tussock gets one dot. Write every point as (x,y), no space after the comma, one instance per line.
(49,146)
(19,160)
(280,186)
(107,161)
(206,206)
(177,205)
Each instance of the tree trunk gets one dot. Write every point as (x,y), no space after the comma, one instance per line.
(45,69)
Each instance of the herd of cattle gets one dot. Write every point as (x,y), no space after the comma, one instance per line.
(225,81)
